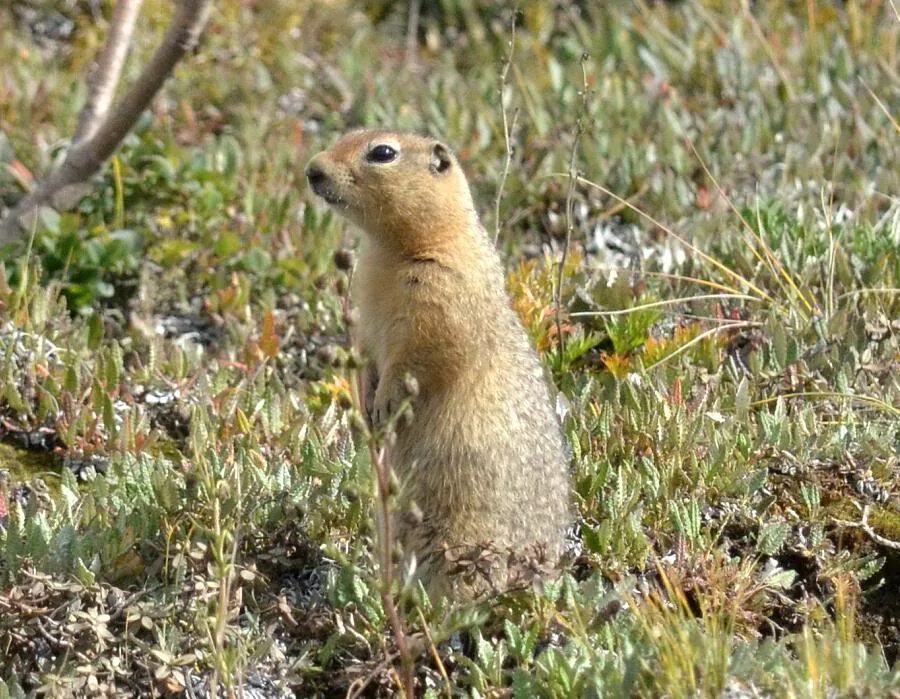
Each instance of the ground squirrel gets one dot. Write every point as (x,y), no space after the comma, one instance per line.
(483,458)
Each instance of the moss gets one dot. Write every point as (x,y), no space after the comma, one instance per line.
(25,464)
(885,520)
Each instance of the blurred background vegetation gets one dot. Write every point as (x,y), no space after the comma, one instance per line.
(184,500)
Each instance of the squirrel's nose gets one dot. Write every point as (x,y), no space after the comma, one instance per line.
(315,174)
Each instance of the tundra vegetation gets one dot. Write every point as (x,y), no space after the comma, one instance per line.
(697,203)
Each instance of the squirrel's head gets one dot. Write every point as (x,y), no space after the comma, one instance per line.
(405,191)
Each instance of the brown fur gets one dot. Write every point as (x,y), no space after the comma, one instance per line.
(483,458)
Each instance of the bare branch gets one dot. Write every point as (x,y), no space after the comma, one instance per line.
(181,36)
(868,530)
(62,187)
(104,74)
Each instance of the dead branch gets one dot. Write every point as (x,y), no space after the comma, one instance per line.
(104,74)
(867,529)
(62,187)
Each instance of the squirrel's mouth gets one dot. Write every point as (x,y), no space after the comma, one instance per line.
(321,184)
(331,198)
(324,189)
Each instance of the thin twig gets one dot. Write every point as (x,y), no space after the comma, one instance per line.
(774,264)
(412,32)
(620,206)
(130,600)
(353,692)
(868,400)
(386,554)
(379,459)
(58,642)
(435,655)
(671,233)
(884,109)
(829,226)
(506,165)
(724,322)
(702,336)
(665,302)
(770,52)
(669,275)
(506,127)
(863,292)
(867,529)
(574,179)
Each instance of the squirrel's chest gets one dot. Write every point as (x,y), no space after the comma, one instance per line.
(383,296)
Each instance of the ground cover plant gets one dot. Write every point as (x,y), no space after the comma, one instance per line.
(697,204)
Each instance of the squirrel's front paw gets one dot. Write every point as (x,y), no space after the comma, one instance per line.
(387,405)
(393,400)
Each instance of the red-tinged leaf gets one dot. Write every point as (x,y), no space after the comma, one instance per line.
(297,135)
(4,494)
(703,198)
(21,174)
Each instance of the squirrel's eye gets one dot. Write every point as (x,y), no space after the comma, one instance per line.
(381,154)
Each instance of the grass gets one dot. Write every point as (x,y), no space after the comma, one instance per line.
(189,501)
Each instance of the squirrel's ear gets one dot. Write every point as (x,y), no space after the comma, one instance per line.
(440,158)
